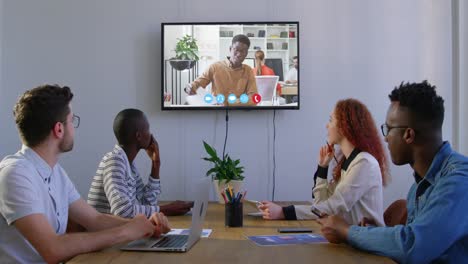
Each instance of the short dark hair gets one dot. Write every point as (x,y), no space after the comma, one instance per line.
(126,124)
(242,39)
(39,109)
(422,101)
(295,57)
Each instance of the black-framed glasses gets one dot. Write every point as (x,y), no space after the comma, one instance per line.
(76,121)
(386,128)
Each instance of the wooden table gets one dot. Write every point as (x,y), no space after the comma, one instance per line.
(231,245)
(289,90)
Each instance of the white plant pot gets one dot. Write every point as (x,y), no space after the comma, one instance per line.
(218,187)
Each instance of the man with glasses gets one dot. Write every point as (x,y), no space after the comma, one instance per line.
(229,76)
(437,225)
(37,198)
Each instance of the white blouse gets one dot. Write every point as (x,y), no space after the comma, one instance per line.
(358,194)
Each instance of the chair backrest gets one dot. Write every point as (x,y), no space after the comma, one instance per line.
(396,213)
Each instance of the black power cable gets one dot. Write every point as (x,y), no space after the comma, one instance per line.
(227,129)
(274,156)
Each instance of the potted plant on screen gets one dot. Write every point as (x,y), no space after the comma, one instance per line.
(224,172)
(186,53)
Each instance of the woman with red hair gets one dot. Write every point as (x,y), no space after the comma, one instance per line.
(262,69)
(355,190)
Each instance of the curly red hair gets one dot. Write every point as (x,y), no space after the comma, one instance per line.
(355,123)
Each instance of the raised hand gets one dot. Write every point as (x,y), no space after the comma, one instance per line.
(153,150)
(153,154)
(326,154)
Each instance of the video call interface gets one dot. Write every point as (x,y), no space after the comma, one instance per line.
(203,68)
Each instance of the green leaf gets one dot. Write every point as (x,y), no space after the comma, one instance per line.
(225,169)
(210,150)
(187,48)
(212,170)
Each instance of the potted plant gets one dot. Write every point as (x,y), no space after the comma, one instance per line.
(186,53)
(224,172)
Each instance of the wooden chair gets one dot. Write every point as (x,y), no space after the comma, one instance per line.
(396,213)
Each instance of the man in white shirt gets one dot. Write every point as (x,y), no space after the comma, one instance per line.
(37,198)
(291,77)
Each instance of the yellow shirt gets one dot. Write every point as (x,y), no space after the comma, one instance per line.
(226,80)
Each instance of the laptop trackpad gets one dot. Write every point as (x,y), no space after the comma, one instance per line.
(143,243)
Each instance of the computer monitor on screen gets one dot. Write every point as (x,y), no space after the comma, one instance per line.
(250,62)
(277,65)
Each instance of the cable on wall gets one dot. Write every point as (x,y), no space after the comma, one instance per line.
(274,156)
(227,129)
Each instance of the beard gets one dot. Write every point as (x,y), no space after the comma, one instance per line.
(66,144)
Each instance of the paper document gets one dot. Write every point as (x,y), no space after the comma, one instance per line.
(288,239)
(178,231)
(258,213)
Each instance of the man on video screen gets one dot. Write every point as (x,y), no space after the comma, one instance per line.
(230,76)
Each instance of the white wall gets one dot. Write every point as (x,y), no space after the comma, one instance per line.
(3,102)
(462,75)
(109,53)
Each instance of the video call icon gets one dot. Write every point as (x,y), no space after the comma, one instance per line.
(220,98)
(232,98)
(208,98)
(244,98)
(256,98)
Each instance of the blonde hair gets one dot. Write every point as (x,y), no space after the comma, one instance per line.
(259,57)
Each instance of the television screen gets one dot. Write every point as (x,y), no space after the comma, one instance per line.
(248,65)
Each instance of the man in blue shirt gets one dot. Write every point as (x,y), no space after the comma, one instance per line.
(437,203)
(37,198)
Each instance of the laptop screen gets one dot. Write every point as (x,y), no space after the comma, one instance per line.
(266,86)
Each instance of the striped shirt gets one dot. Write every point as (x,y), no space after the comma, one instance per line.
(117,188)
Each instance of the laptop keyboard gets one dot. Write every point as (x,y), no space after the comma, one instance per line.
(172,241)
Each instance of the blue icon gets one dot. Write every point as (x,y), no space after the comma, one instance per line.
(232,98)
(208,98)
(220,98)
(244,98)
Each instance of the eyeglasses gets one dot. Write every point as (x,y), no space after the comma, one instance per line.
(386,128)
(76,121)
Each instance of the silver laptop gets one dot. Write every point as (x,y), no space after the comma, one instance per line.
(179,243)
(266,86)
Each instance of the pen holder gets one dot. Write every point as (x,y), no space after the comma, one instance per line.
(233,215)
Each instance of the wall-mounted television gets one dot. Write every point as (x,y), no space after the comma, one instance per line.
(214,65)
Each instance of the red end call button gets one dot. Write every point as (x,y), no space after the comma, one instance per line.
(256,98)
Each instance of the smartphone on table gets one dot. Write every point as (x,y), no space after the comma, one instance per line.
(316,211)
(294,230)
